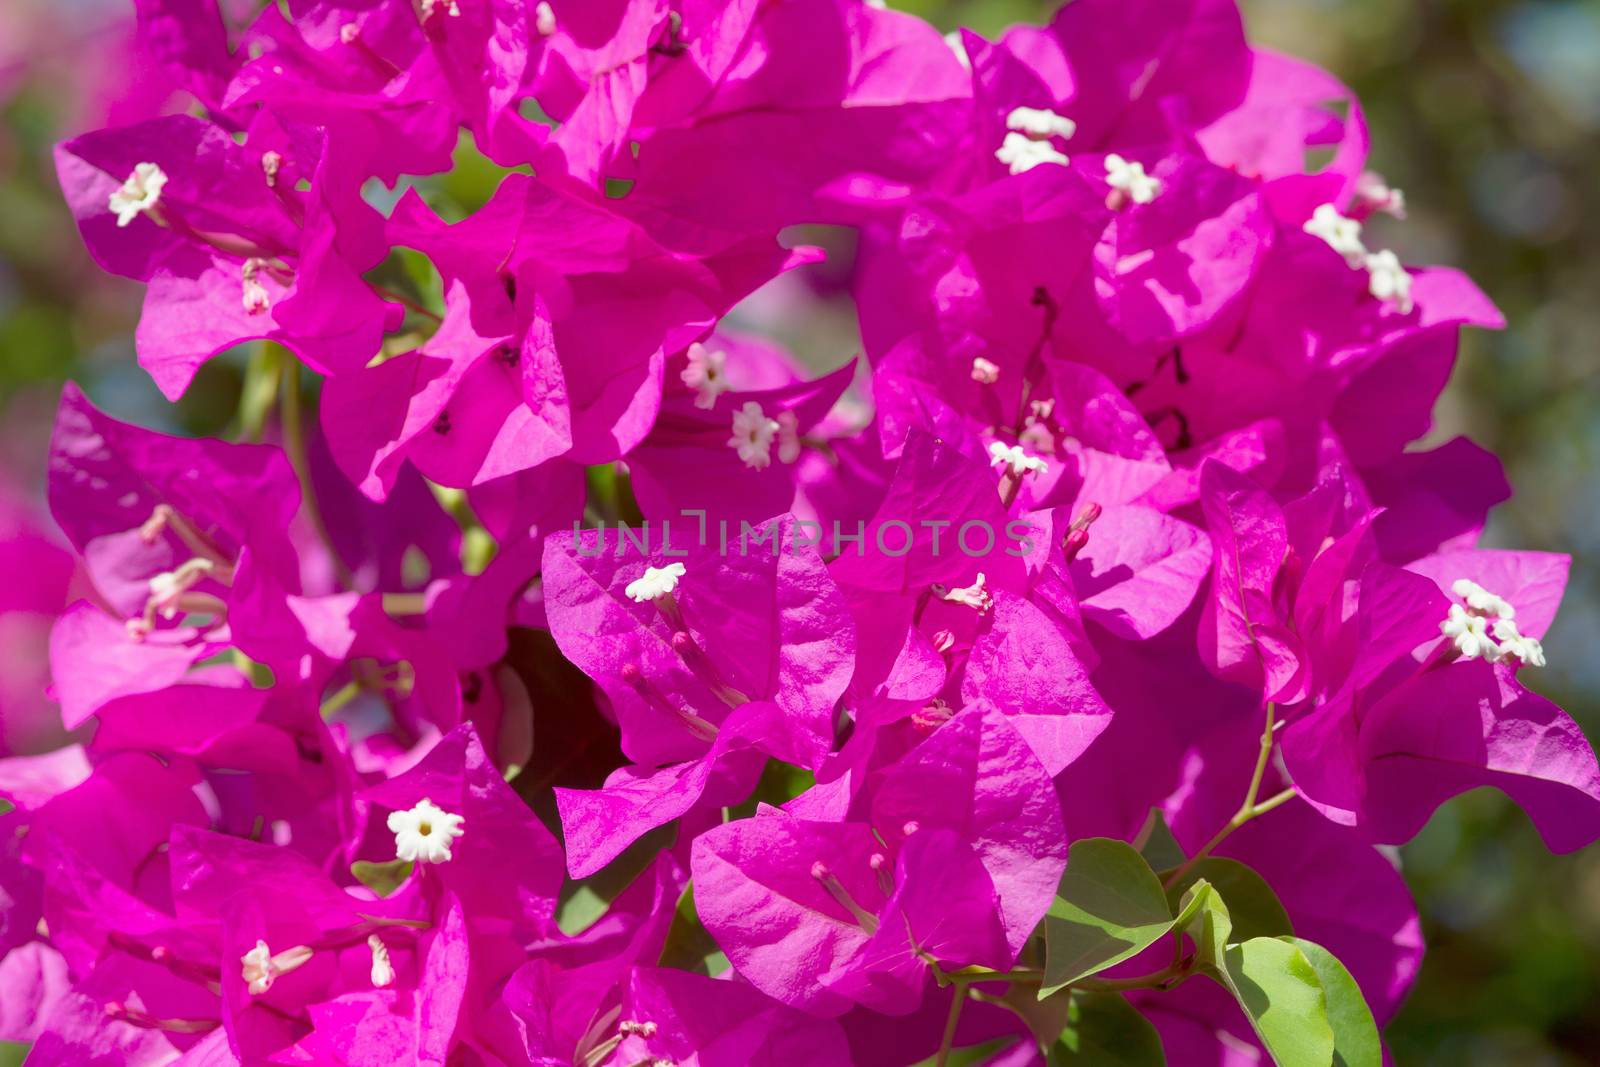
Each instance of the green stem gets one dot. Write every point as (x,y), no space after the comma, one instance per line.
(1121,985)
(1262,757)
(345,695)
(957,1000)
(260,389)
(1026,975)
(294,443)
(1248,810)
(1276,800)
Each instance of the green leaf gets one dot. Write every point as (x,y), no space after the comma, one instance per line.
(1273,981)
(1109,908)
(1104,1030)
(689,946)
(1204,917)
(1045,1018)
(585,901)
(1159,848)
(780,783)
(1355,1034)
(381,878)
(1253,908)
(1281,994)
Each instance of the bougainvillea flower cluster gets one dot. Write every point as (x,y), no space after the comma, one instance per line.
(562,672)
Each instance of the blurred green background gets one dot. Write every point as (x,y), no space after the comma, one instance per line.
(1486,112)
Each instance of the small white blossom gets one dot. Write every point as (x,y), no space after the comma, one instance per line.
(1375,194)
(1470,634)
(167,587)
(1341,234)
(752,436)
(1480,601)
(984,372)
(655,582)
(706,374)
(257,969)
(1389,280)
(260,968)
(424,833)
(1022,153)
(1514,643)
(256,299)
(1015,461)
(141,192)
(544,19)
(1040,124)
(382,967)
(1128,176)
(974,596)
(1027,145)
(1486,613)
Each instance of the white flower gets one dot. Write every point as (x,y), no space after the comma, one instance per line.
(544,19)
(984,372)
(1470,634)
(1515,643)
(167,587)
(1015,461)
(141,192)
(1341,234)
(1389,281)
(752,435)
(1040,124)
(382,968)
(256,298)
(424,833)
(654,582)
(257,969)
(974,596)
(706,374)
(260,968)
(1480,601)
(1375,194)
(1128,177)
(1028,144)
(1485,613)
(1022,153)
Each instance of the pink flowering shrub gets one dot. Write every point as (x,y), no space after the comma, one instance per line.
(583,680)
